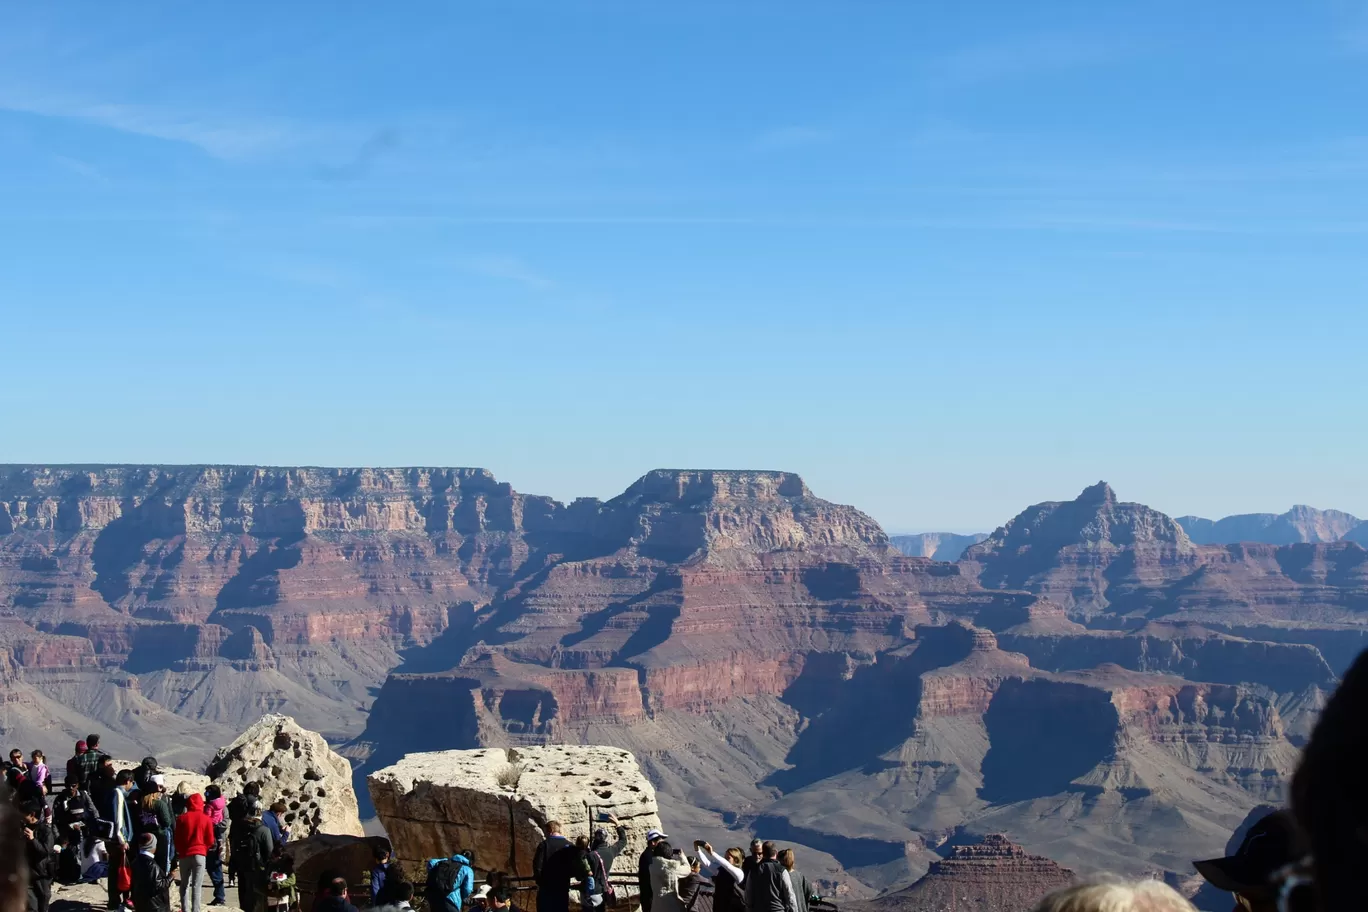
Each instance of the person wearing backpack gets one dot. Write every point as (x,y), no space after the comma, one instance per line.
(450,881)
(42,864)
(601,858)
(252,846)
(553,843)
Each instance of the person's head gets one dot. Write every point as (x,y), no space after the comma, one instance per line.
(37,757)
(1116,896)
(279,807)
(123,779)
(600,839)
(13,872)
(338,887)
(147,843)
(149,764)
(93,742)
(736,856)
(253,789)
(403,891)
(768,850)
(501,898)
(756,847)
(1328,800)
(653,836)
(33,811)
(107,763)
(251,807)
(553,828)
(81,748)
(16,756)
(1269,844)
(662,849)
(212,792)
(694,864)
(786,859)
(184,788)
(582,843)
(381,854)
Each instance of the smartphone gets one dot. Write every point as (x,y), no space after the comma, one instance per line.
(604,817)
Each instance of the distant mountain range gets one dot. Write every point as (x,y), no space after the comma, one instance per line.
(941,546)
(1298,525)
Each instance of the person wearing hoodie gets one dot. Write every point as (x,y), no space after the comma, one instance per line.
(450,881)
(216,806)
(194,836)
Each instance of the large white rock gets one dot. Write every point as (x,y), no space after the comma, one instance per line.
(297,766)
(496,802)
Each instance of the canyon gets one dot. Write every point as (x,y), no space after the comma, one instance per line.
(1088,679)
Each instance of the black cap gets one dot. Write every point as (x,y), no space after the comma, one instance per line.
(1274,842)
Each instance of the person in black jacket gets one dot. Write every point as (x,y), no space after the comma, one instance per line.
(553,843)
(151,886)
(38,850)
(252,845)
(644,868)
(74,815)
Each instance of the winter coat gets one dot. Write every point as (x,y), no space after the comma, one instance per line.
(194,829)
(666,873)
(150,883)
(38,850)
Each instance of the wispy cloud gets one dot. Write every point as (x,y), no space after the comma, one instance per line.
(363,160)
(220,137)
(83,168)
(1022,57)
(507,268)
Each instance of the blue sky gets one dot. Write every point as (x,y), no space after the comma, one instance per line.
(944,260)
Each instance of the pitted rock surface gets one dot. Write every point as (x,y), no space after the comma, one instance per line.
(296,766)
(497,802)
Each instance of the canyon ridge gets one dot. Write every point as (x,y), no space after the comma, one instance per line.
(1087,680)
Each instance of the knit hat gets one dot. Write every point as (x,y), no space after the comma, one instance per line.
(147,843)
(81,747)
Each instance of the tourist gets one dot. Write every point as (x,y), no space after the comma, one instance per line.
(38,846)
(385,875)
(1327,793)
(142,776)
(73,766)
(400,895)
(695,894)
(252,846)
(601,859)
(768,888)
(275,822)
(237,808)
(450,882)
(334,897)
(216,809)
(281,892)
(154,816)
(151,886)
(92,759)
(668,868)
(115,809)
(725,873)
(38,771)
(644,868)
(1118,896)
(565,870)
(553,843)
(501,900)
(74,814)
(754,858)
(180,798)
(239,828)
(1270,845)
(194,837)
(802,887)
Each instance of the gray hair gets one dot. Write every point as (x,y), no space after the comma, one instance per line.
(1116,896)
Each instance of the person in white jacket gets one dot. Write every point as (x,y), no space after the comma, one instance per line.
(668,868)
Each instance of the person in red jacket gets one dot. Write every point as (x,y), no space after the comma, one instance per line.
(194,839)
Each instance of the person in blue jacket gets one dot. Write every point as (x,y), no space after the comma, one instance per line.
(450,881)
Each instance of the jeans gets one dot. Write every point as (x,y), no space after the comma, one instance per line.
(214,864)
(192,882)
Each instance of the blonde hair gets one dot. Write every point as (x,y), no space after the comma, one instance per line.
(1116,896)
(735,856)
(786,859)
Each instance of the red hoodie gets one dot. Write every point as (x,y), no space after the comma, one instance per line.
(194,829)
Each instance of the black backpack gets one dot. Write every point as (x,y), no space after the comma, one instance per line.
(441,880)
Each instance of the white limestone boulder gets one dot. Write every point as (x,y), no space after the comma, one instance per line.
(295,765)
(496,802)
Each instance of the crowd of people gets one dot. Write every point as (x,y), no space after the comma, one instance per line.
(121,826)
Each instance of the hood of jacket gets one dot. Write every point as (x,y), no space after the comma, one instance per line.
(195,803)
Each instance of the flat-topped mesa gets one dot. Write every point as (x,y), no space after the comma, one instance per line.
(992,874)
(731,517)
(497,802)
